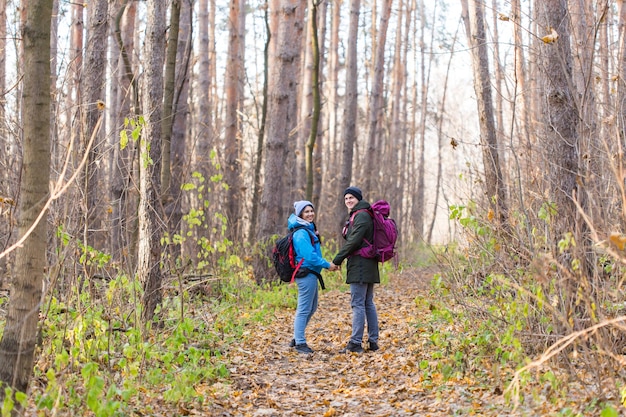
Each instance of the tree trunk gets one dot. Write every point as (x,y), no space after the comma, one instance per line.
(305,101)
(396,140)
(498,83)
(419,210)
(316,110)
(584,34)
(232,128)
(320,141)
(494,184)
(6,142)
(331,149)
(169,89)
(150,217)
(332,97)
(282,118)
(348,129)
(74,69)
(17,346)
(619,111)
(92,103)
(258,165)
(521,100)
(559,136)
(371,174)
(127,105)
(54,103)
(180,129)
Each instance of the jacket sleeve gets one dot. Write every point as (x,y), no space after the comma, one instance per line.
(361,225)
(304,249)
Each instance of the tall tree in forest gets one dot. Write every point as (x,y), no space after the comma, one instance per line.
(150,216)
(371,171)
(169,89)
(126,106)
(331,86)
(203,125)
(282,119)
(522,120)
(497,78)
(584,32)
(17,346)
(233,90)
(620,102)
(605,55)
(392,149)
(348,129)
(258,163)
(318,155)
(305,108)
(202,113)
(6,142)
(620,98)
(558,136)
(330,146)
(419,193)
(475,28)
(54,46)
(75,64)
(180,106)
(92,100)
(560,142)
(317,105)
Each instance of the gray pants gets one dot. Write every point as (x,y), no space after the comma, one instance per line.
(363,309)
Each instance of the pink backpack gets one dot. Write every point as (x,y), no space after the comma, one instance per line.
(383,247)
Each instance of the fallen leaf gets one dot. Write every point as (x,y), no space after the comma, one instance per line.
(618,239)
(552,37)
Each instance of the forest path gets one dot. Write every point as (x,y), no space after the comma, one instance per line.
(271,379)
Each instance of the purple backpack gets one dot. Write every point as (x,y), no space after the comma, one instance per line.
(383,247)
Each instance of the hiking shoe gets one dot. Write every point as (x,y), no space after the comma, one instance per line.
(303,348)
(292,343)
(373,346)
(352,347)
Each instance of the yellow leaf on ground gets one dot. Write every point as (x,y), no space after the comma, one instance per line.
(330,412)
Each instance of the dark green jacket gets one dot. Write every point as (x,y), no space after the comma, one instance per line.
(360,270)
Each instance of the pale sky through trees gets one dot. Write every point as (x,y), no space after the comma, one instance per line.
(462,125)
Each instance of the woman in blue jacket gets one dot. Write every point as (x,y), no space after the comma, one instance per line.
(306,244)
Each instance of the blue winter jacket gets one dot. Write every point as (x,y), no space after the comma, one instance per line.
(311,252)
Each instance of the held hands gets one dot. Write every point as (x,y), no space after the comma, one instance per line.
(334,267)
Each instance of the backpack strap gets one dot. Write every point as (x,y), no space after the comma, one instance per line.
(311,234)
(297,268)
(351,220)
(295,271)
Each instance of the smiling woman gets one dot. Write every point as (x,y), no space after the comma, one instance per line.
(308,252)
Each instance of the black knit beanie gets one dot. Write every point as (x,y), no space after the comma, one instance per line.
(355,192)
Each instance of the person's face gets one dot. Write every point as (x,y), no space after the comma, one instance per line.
(350,201)
(308,214)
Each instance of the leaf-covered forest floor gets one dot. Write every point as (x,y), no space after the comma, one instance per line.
(434,360)
(270,379)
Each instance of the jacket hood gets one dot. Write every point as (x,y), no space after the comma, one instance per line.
(294,221)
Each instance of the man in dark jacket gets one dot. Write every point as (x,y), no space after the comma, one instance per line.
(362,272)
